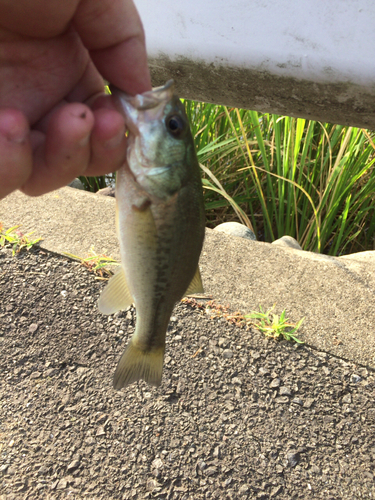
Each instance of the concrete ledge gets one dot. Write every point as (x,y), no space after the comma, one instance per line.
(335,295)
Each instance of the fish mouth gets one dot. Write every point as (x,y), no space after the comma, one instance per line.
(147,100)
(154,97)
(153,100)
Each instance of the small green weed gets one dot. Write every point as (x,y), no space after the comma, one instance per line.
(96,263)
(275,326)
(16,239)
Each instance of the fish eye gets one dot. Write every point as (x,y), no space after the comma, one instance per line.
(175,125)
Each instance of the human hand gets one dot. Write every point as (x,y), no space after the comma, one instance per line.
(53,56)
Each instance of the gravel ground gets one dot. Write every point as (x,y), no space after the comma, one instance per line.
(236,416)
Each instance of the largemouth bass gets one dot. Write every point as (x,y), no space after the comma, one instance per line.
(160,224)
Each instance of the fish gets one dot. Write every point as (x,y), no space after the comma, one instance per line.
(160,221)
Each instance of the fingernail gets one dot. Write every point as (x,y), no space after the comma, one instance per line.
(12,131)
(115,141)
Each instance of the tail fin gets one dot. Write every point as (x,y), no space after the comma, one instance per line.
(136,364)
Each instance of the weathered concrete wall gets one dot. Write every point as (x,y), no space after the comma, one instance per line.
(297,57)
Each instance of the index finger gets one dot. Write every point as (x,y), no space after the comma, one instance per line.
(112,31)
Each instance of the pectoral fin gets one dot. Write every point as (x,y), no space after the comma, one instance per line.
(116,295)
(196,284)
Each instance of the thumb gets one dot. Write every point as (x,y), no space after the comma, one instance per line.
(112,31)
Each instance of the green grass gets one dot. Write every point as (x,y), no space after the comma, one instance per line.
(16,239)
(96,263)
(271,324)
(312,181)
(275,326)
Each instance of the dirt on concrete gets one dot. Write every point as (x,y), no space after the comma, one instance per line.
(236,416)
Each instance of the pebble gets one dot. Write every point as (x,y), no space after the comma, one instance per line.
(151,484)
(243,490)
(354,379)
(73,465)
(33,327)
(156,473)
(236,229)
(102,418)
(210,471)
(347,398)
(264,371)
(293,458)
(236,381)
(227,354)
(308,402)
(62,484)
(275,383)
(285,391)
(223,342)
(158,463)
(35,375)
(20,486)
(202,465)
(50,372)
(282,399)
(314,469)
(77,184)
(297,401)
(275,491)
(287,241)
(180,387)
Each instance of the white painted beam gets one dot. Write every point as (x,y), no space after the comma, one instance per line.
(310,58)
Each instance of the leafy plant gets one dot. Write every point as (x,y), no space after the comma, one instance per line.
(275,326)
(96,263)
(312,181)
(16,239)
